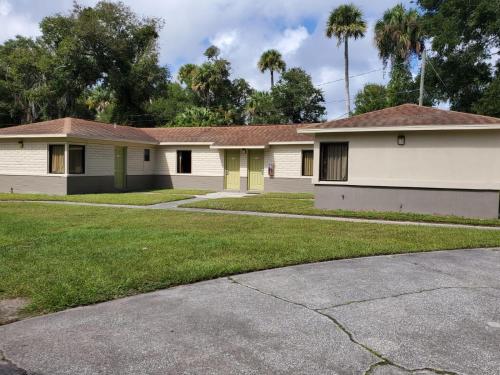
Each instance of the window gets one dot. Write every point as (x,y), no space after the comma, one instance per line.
(76,159)
(56,159)
(333,161)
(147,154)
(307,162)
(183,161)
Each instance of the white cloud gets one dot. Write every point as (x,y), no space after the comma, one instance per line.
(292,40)
(225,40)
(5,8)
(242,29)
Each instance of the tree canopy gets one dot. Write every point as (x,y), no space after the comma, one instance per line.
(102,62)
(465,38)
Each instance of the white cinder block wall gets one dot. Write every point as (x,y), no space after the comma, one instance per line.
(30,160)
(100,160)
(205,161)
(287,160)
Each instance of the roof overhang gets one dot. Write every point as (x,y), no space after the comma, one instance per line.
(186,143)
(291,143)
(79,137)
(14,136)
(410,128)
(223,147)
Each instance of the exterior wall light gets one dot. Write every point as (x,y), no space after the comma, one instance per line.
(21,144)
(401,140)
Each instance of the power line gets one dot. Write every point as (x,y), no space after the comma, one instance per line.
(354,76)
(437,74)
(344,100)
(358,75)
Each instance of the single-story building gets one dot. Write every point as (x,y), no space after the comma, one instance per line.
(408,159)
(72,156)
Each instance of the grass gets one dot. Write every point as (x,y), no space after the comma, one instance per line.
(63,256)
(303,204)
(142,198)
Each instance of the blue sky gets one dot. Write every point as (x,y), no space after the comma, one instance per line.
(242,29)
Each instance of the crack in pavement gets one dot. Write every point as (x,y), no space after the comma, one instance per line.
(384,361)
(373,366)
(403,294)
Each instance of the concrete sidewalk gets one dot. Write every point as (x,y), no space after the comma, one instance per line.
(424,313)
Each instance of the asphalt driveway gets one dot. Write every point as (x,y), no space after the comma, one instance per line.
(421,313)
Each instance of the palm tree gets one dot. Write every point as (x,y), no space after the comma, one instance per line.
(346,22)
(212,52)
(271,60)
(398,35)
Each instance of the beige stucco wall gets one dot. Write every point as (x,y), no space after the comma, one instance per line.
(455,160)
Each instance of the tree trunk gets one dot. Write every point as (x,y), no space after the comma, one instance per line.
(272,79)
(346,78)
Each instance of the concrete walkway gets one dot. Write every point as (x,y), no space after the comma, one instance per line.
(427,313)
(175,206)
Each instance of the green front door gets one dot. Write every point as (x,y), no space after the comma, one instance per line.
(256,170)
(232,167)
(120,168)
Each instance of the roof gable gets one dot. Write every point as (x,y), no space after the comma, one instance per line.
(78,128)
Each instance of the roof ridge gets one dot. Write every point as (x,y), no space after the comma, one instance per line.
(67,125)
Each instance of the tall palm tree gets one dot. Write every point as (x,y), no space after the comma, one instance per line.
(398,35)
(271,60)
(344,22)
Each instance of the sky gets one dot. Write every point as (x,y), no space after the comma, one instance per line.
(242,29)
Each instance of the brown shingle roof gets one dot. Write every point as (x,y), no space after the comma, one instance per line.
(78,128)
(220,136)
(231,135)
(407,115)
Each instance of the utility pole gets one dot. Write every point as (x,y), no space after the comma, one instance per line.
(422,78)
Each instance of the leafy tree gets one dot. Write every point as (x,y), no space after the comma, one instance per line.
(489,104)
(212,83)
(371,98)
(402,88)
(213,89)
(99,99)
(273,61)
(465,35)
(261,109)
(108,45)
(25,90)
(297,99)
(164,109)
(200,116)
(344,22)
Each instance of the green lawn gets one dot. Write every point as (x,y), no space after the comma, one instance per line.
(142,198)
(303,204)
(63,256)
